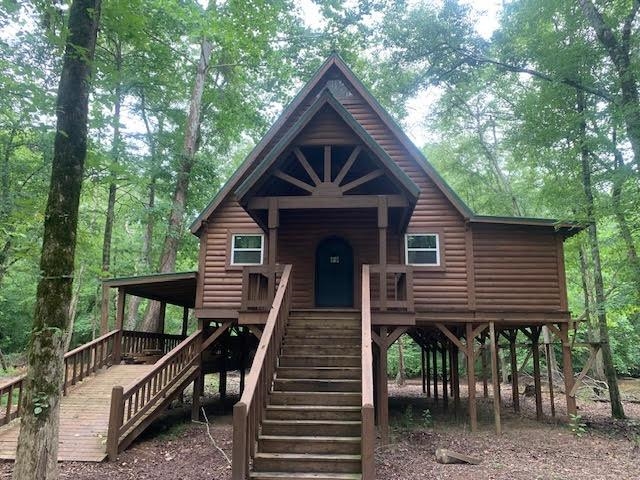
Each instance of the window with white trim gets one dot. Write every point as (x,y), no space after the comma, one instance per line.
(247,249)
(422,249)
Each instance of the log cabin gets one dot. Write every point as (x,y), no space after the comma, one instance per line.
(332,239)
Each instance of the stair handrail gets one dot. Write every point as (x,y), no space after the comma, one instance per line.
(249,411)
(368,436)
(129,405)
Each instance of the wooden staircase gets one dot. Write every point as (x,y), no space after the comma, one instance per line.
(312,425)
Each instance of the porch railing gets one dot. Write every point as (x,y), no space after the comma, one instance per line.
(368,436)
(11,399)
(131,406)
(138,342)
(394,287)
(248,413)
(259,286)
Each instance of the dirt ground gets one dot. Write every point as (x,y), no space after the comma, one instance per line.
(175,449)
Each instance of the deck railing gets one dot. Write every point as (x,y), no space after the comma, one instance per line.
(132,405)
(138,342)
(368,436)
(394,287)
(11,399)
(259,286)
(88,358)
(249,411)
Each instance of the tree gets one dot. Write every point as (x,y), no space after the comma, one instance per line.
(36,456)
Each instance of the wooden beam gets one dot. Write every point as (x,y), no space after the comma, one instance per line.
(310,202)
(382,403)
(395,335)
(327,164)
(515,392)
(428,371)
(471,378)
(422,370)
(347,166)
(185,321)
(294,181)
(455,340)
(216,334)
(443,359)
(308,168)
(255,331)
(494,378)
(364,179)
(567,370)
(535,349)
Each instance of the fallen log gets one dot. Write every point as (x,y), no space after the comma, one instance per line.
(446,456)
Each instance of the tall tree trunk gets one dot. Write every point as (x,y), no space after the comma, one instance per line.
(115,156)
(617,410)
(147,239)
(187,159)
(619,51)
(37,453)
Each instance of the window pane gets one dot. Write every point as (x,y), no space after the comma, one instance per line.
(421,241)
(247,241)
(250,257)
(422,257)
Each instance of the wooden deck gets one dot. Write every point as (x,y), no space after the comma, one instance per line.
(84,416)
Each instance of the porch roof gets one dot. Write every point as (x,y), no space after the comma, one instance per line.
(171,288)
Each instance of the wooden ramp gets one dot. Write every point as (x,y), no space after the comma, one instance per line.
(84,416)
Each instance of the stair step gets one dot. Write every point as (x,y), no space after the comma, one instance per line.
(288,349)
(315,398)
(309,444)
(302,462)
(304,476)
(354,373)
(317,385)
(324,428)
(319,339)
(320,360)
(326,323)
(313,412)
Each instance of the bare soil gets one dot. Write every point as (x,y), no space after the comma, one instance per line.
(176,449)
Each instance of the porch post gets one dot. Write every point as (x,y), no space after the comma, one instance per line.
(185,320)
(163,314)
(471,377)
(382,402)
(495,377)
(273,224)
(383,223)
(445,388)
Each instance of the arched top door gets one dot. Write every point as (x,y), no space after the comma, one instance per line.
(334,273)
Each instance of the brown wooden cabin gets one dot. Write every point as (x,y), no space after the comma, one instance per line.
(336,234)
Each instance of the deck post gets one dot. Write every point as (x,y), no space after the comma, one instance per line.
(116,417)
(455,370)
(515,391)
(382,402)
(495,377)
(567,369)
(428,370)
(471,377)
(198,387)
(547,353)
(117,342)
(483,359)
(434,369)
(161,322)
(422,368)
(535,350)
(445,383)
(185,321)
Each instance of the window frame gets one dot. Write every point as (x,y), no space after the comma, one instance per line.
(232,249)
(439,249)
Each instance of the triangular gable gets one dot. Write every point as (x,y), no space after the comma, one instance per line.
(334,61)
(326,98)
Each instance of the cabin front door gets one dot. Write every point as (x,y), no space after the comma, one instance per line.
(334,273)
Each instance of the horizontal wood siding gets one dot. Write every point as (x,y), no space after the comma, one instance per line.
(432,289)
(302,230)
(326,128)
(222,286)
(516,270)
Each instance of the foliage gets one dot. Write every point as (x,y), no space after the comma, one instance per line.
(577,425)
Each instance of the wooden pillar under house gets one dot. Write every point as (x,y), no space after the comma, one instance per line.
(471,377)
(382,402)
(495,378)
(161,324)
(483,359)
(422,370)
(515,392)
(428,370)
(445,386)
(434,368)
(497,353)
(455,370)
(535,351)
(546,338)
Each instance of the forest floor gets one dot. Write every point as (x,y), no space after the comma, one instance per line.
(176,449)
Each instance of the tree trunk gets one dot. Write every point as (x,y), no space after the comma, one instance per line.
(619,50)
(37,452)
(115,155)
(176,216)
(147,239)
(617,410)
